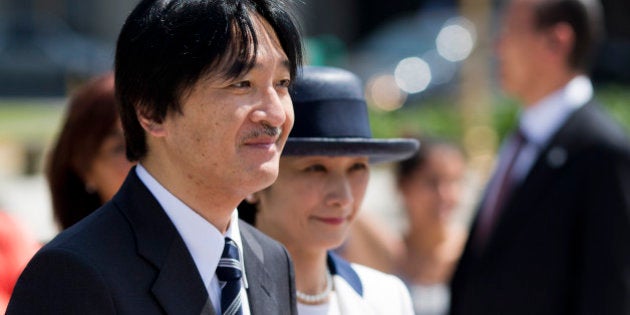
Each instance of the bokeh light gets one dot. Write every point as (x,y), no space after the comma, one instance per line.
(383,93)
(413,75)
(456,39)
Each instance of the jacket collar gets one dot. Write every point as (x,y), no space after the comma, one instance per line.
(261,285)
(178,286)
(338,266)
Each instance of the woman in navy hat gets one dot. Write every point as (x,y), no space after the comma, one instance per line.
(324,171)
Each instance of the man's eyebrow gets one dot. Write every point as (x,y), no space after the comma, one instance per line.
(284,63)
(226,74)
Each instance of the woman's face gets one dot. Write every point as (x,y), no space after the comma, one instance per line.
(433,191)
(110,165)
(314,200)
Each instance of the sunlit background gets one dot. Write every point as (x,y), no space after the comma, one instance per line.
(427,67)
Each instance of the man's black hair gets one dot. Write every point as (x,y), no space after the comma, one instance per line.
(166,46)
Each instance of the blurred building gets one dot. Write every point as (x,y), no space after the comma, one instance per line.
(46,45)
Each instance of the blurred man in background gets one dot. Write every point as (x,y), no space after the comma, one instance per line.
(552,234)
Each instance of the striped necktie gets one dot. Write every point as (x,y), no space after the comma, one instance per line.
(229,273)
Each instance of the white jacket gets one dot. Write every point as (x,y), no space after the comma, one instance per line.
(364,291)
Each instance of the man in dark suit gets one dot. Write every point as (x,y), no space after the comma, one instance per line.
(552,234)
(203,91)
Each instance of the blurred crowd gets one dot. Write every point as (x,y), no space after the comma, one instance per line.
(549,231)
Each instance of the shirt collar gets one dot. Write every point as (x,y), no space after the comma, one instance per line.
(540,121)
(203,240)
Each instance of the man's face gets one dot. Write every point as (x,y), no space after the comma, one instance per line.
(519,49)
(230,132)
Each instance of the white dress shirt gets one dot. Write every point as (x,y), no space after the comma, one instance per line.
(541,121)
(203,240)
(538,123)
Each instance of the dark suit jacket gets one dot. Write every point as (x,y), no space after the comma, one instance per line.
(562,243)
(128,258)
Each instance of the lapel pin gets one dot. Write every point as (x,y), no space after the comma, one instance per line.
(556,157)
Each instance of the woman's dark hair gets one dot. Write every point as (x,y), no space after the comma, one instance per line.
(247,212)
(585,18)
(166,46)
(90,117)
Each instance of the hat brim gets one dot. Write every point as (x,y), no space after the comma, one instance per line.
(378,150)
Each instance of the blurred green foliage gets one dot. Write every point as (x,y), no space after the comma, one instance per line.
(30,121)
(442,116)
(37,121)
(435,116)
(616,99)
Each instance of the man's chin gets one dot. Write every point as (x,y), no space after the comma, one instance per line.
(266,175)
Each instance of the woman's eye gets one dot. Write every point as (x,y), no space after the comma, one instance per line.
(359,166)
(315,168)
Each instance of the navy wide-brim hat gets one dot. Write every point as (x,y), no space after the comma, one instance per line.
(331,119)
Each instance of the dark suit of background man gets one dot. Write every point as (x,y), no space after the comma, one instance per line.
(554,237)
(203,92)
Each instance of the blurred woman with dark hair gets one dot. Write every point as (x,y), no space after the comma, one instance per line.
(87,163)
(431,187)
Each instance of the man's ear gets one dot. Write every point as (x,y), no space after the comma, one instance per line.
(562,38)
(152,127)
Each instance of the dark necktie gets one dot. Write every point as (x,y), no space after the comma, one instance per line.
(492,207)
(229,273)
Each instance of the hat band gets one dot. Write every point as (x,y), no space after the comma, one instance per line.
(332,119)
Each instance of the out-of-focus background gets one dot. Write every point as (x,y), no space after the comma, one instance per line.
(427,66)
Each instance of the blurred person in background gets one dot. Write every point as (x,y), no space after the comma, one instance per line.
(324,172)
(431,186)
(87,163)
(552,233)
(17,246)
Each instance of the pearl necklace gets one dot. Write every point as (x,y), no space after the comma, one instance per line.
(317,298)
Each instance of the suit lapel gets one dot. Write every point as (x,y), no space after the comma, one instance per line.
(343,269)
(543,174)
(537,182)
(348,287)
(179,290)
(178,286)
(260,284)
